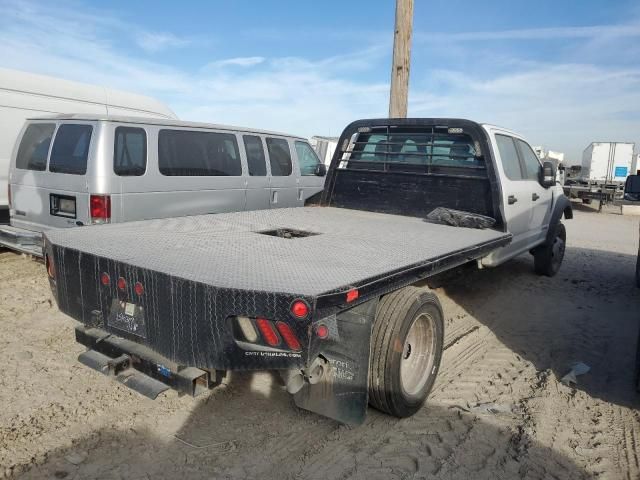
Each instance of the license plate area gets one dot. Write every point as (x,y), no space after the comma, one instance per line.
(127,317)
(62,206)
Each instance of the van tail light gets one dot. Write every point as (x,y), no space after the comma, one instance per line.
(289,337)
(122,284)
(100,208)
(268,333)
(9,195)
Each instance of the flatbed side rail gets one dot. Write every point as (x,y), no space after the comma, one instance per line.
(411,274)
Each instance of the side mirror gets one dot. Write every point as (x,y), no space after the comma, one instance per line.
(548,175)
(321,170)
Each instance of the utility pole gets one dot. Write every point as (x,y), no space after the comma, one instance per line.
(401,59)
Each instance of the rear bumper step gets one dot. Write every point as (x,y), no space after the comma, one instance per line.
(138,367)
(22,240)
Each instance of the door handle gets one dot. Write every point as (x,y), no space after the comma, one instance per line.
(535,197)
(512,199)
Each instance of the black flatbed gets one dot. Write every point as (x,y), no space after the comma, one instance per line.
(320,250)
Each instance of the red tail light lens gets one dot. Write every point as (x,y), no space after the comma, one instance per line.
(322,331)
(51,271)
(100,208)
(352,295)
(268,333)
(300,309)
(122,284)
(289,337)
(105,279)
(138,288)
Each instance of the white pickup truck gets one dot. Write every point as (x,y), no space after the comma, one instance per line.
(333,295)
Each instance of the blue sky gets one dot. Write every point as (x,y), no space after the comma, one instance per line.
(563,73)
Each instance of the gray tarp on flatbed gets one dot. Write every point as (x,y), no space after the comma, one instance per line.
(226,251)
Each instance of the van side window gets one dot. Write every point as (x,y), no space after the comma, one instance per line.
(255,155)
(34,147)
(70,149)
(509,157)
(279,157)
(307,158)
(194,153)
(130,152)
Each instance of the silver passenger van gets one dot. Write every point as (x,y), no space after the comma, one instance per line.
(76,170)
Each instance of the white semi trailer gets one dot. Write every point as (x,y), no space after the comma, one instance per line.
(25,95)
(607,162)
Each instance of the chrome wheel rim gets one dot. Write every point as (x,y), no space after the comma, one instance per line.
(418,355)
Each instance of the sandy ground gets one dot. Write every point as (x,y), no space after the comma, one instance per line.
(510,337)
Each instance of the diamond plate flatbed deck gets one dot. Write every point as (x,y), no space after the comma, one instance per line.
(228,250)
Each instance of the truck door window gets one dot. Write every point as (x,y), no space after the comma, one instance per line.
(71,149)
(130,152)
(255,155)
(279,157)
(307,158)
(195,153)
(531,161)
(509,157)
(34,147)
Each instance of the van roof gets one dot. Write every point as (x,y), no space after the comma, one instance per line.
(159,121)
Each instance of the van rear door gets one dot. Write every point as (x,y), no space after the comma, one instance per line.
(48,183)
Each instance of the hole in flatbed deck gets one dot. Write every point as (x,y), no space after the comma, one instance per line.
(287,233)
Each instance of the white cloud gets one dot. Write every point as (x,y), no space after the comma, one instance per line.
(236,62)
(157,41)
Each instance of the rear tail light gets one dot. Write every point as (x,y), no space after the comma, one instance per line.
(100,208)
(300,309)
(138,288)
(268,333)
(322,331)
(289,337)
(9,195)
(246,327)
(122,284)
(51,271)
(105,279)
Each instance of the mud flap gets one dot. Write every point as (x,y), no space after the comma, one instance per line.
(342,391)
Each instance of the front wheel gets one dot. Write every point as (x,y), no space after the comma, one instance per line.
(548,257)
(406,348)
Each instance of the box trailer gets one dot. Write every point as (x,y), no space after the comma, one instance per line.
(607,162)
(324,147)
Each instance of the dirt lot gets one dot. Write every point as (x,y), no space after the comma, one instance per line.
(511,336)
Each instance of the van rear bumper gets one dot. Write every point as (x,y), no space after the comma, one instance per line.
(22,240)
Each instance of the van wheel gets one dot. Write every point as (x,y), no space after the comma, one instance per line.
(406,348)
(548,257)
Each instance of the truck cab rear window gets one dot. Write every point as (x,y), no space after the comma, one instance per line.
(412,146)
(130,152)
(71,149)
(34,147)
(193,153)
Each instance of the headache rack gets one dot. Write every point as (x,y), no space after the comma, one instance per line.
(420,148)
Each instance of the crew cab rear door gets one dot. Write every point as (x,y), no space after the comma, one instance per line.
(516,192)
(541,198)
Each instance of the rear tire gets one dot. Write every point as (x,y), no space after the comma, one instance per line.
(548,257)
(406,348)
